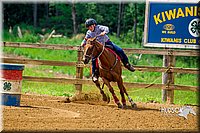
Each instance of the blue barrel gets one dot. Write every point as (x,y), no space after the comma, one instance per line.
(11,84)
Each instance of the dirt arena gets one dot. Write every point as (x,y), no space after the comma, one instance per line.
(47,113)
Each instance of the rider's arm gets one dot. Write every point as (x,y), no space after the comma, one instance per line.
(104,30)
(83,43)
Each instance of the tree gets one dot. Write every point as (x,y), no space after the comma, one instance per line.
(74,19)
(46,13)
(35,14)
(135,24)
(119,19)
(68,18)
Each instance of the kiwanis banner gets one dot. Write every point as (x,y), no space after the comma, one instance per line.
(172,24)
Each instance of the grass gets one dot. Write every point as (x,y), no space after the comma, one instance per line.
(58,89)
(138,95)
(54,89)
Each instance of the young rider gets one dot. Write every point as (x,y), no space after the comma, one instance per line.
(101,32)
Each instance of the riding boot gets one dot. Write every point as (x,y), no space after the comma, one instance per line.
(94,70)
(129,67)
(119,51)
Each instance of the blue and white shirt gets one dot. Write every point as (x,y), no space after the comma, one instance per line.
(97,30)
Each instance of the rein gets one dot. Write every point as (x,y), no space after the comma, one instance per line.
(101,52)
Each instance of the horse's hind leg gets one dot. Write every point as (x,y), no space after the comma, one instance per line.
(122,91)
(105,98)
(112,92)
(133,104)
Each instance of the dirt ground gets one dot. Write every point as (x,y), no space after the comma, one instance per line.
(51,114)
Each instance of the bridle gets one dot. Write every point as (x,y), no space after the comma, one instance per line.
(89,56)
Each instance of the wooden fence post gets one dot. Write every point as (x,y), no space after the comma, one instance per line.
(164,78)
(79,70)
(170,92)
(168,78)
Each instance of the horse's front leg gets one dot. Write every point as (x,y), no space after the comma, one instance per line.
(105,98)
(112,92)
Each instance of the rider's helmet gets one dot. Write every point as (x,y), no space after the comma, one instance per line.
(90,21)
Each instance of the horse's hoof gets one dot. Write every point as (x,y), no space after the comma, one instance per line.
(106,98)
(134,106)
(119,105)
(124,106)
(68,100)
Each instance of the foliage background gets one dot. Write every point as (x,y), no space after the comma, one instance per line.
(58,16)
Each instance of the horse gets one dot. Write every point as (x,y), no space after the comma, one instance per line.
(110,70)
(184,111)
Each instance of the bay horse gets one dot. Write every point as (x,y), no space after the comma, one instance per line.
(109,70)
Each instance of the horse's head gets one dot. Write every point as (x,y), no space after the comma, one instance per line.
(184,111)
(90,49)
